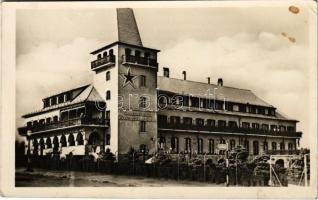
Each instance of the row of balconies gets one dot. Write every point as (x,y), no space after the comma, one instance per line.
(63,124)
(227,129)
(126,59)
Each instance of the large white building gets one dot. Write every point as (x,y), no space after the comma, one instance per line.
(129,105)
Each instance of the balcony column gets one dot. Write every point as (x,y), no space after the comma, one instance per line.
(75,136)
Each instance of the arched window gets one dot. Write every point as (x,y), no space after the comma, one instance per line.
(55,144)
(71,141)
(274,146)
(94,139)
(111,52)
(187,143)
(99,56)
(222,141)
(200,145)
(175,144)
(42,146)
(232,144)
(107,75)
(48,143)
(290,146)
(79,139)
(55,119)
(255,148)
(211,146)
(105,54)
(282,146)
(63,141)
(162,142)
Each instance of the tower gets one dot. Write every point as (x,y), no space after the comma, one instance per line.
(126,77)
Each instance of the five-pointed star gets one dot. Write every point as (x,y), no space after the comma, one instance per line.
(129,78)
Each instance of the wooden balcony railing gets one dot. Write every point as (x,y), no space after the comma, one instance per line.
(140,60)
(102,61)
(227,129)
(63,124)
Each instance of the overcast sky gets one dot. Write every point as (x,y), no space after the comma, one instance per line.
(262,49)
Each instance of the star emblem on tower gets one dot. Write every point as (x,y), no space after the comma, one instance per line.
(129,78)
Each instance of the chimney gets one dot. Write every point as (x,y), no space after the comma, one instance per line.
(184,73)
(209,80)
(166,72)
(220,82)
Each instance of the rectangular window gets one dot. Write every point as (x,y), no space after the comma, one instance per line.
(48,120)
(282,128)
(175,120)
(142,127)
(162,119)
(60,99)
(290,129)
(235,108)
(143,80)
(265,127)
(107,114)
(107,75)
(245,125)
(242,108)
(53,101)
(107,139)
(199,122)
(187,121)
(255,125)
(108,95)
(232,124)
(210,122)
(266,111)
(221,123)
(273,127)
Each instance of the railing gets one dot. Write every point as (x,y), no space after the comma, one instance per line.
(226,129)
(103,61)
(140,60)
(283,152)
(64,124)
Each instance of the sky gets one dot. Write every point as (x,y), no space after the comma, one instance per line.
(261,49)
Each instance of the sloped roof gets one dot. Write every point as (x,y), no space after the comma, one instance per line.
(88,94)
(203,90)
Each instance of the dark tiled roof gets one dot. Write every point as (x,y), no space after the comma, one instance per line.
(203,90)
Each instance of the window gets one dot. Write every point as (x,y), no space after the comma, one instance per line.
(232,144)
(46,103)
(107,94)
(265,146)
(105,54)
(107,114)
(175,144)
(53,100)
(143,80)
(242,108)
(265,127)
(107,75)
(187,147)
(162,119)
(247,145)
(274,146)
(137,53)
(199,122)
(290,146)
(142,127)
(235,108)
(61,99)
(48,143)
(99,56)
(79,139)
(255,125)
(222,141)
(211,146)
(282,128)
(63,141)
(266,111)
(71,141)
(273,128)
(200,145)
(41,121)
(107,139)
(210,122)
(282,146)
(232,124)
(290,129)
(162,142)
(127,52)
(29,124)
(111,52)
(221,123)
(55,119)
(187,121)
(147,54)
(255,148)
(175,120)
(245,125)
(143,102)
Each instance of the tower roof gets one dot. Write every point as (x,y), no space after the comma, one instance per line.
(127,27)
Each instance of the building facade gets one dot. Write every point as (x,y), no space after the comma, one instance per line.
(129,106)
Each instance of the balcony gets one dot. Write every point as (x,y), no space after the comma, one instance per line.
(283,152)
(108,60)
(227,129)
(144,61)
(84,121)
